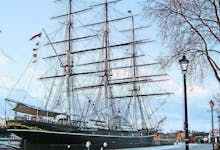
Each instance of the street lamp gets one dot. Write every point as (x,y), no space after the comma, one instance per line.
(211,103)
(219,126)
(184,66)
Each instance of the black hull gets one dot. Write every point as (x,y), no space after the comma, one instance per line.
(35,139)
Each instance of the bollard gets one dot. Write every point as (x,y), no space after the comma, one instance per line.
(104,147)
(88,144)
(68,146)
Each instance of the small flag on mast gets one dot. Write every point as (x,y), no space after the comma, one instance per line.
(35,50)
(34,36)
(37,44)
(35,55)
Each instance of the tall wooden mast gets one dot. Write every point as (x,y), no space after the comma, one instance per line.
(106,57)
(68,60)
(135,89)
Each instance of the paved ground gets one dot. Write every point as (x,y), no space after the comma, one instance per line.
(177,147)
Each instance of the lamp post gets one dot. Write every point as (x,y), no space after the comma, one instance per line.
(211,103)
(184,66)
(219,127)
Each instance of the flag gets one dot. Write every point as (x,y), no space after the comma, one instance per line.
(37,44)
(37,35)
(35,55)
(35,49)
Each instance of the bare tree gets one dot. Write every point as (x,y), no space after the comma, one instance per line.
(191,27)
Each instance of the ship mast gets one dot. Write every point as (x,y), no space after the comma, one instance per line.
(106,57)
(68,60)
(135,75)
(134,90)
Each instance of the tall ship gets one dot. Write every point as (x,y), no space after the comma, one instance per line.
(100,89)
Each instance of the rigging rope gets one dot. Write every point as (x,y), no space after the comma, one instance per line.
(19,78)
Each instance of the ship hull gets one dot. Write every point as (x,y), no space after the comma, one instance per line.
(63,140)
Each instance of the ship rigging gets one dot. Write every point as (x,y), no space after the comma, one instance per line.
(97,86)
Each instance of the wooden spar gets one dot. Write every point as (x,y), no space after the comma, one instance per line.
(101,48)
(74,39)
(147,76)
(142,95)
(137,28)
(73,74)
(64,15)
(105,3)
(102,22)
(50,77)
(109,60)
(119,83)
(141,65)
(100,71)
